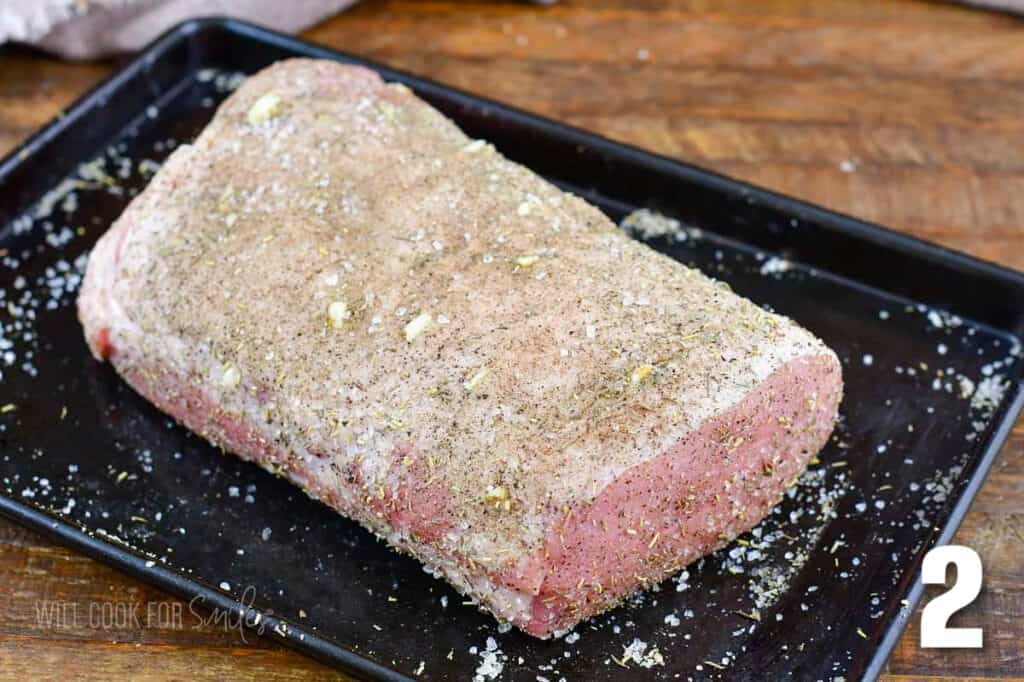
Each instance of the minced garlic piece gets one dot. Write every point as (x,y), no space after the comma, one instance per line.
(498,496)
(264,109)
(225,198)
(641,373)
(231,377)
(337,313)
(417,326)
(527,261)
(476,379)
(474,146)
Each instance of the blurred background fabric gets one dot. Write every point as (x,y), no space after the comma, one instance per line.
(87,29)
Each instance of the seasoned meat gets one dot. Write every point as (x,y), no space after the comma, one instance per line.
(335,282)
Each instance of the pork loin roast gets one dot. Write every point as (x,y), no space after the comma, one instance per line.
(334,282)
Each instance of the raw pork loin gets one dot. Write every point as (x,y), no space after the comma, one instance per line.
(335,282)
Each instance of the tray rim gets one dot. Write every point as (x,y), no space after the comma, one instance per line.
(305,640)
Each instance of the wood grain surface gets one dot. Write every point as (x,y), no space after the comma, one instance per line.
(910,114)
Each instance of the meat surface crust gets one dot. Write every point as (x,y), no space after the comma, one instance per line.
(334,282)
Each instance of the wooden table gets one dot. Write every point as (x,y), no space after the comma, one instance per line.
(910,114)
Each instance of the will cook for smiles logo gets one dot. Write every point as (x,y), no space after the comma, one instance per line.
(157,615)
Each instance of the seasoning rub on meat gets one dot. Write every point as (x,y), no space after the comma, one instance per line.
(334,282)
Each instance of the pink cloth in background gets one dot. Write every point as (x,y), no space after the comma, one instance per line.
(85,29)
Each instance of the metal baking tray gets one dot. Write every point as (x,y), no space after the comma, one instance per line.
(820,590)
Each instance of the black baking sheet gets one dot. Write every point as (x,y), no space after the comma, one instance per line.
(928,340)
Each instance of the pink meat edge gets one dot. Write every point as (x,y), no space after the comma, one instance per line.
(657,517)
